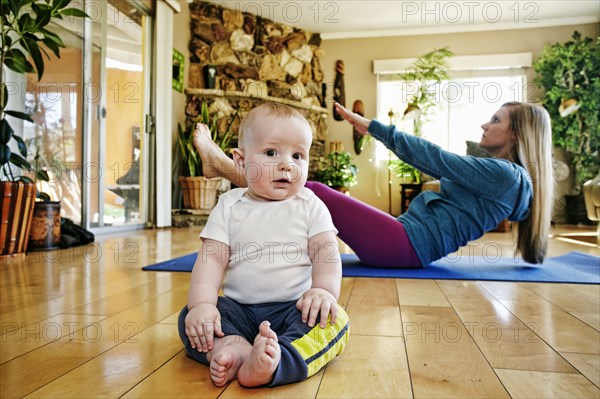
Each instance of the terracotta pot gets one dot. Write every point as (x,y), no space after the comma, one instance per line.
(199,192)
(18,199)
(341,189)
(45,227)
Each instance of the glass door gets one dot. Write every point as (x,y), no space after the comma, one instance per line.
(54,139)
(89,112)
(118,96)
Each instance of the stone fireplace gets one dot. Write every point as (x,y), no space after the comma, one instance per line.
(239,60)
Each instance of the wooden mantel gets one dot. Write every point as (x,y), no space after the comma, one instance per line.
(216,93)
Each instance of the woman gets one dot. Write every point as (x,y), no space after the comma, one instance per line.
(476,193)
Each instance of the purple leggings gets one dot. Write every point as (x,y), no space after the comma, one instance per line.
(378,239)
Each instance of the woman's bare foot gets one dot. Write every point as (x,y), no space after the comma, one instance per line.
(227,358)
(215,163)
(212,156)
(259,367)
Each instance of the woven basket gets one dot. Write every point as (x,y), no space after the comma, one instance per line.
(199,192)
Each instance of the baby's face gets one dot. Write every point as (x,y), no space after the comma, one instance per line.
(276,154)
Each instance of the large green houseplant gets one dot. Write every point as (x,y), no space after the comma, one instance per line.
(569,74)
(24,41)
(198,191)
(23,29)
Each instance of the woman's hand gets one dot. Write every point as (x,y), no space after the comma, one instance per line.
(360,123)
(315,302)
(201,324)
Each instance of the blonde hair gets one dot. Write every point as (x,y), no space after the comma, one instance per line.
(531,125)
(268,109)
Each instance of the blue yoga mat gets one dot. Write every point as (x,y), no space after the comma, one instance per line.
(574,267)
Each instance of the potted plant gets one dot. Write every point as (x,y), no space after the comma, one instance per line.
(23,30)
(198,191)
(406,173)
(45,225)
(569,74)
(427,71)
(338,171)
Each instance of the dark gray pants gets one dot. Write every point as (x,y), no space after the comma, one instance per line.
(304,350)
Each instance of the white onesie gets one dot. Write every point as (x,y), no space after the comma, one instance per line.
(268,244)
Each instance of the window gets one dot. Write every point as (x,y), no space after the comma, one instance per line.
(465,102)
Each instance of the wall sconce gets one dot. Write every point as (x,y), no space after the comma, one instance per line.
(567,107)
(412,112)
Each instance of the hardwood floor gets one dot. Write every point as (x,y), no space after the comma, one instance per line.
(87,322)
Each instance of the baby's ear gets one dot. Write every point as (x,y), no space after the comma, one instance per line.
(238,157)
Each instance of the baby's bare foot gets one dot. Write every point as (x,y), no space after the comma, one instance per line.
(226,361)
(259,367)
(212,156)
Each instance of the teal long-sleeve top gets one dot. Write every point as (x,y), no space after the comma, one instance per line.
(475,194)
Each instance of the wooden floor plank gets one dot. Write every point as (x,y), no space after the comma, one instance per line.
(23,338)
(53,274)
(384,287)
(300,390)
(588,365)
(420,293)
(573,301)
(539,384)
(543,317)
(115,303)
(505,340)
(59,357)
(82,301)
(370,367)
(591,290)
(73,285)
(180,377)
(119,368)
(346,291)
(374,314)
(444,361)
(173,318)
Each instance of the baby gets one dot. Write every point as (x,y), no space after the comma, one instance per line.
(273,247)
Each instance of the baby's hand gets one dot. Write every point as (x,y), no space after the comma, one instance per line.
(315,302)
(201,324)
